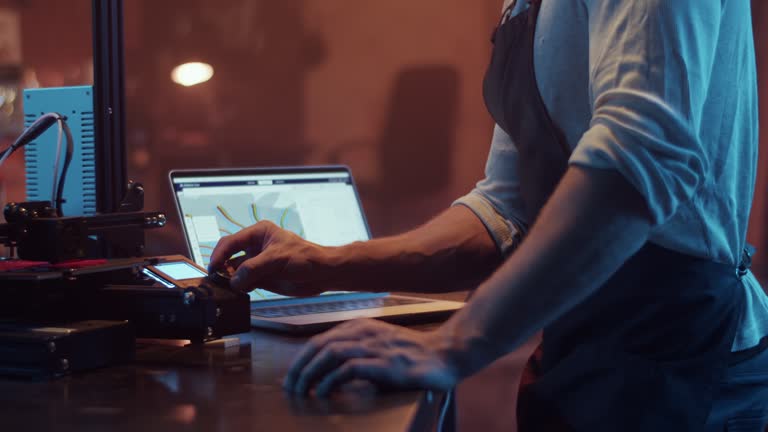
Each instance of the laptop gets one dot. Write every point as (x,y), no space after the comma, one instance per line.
(320,204)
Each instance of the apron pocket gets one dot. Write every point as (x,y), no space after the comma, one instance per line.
(596,388)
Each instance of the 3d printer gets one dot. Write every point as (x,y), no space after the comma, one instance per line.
(77,245)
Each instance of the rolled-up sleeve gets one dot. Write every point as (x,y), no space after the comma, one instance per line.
(496,199)
(650,67)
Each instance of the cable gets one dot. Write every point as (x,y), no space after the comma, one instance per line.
(36,129)
(33,131)
(56,162)
(7,152)
(67,160)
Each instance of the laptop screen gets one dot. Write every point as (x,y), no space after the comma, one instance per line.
(321,206)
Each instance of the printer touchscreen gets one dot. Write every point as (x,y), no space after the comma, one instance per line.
(176,273)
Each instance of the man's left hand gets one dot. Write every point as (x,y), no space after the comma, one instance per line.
(389,356)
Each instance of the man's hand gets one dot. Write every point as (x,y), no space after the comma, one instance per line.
(275,259)
(389,356)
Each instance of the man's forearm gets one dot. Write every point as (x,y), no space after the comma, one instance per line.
(451,252)
(593,223)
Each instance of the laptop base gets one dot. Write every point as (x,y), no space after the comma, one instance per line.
(415,311)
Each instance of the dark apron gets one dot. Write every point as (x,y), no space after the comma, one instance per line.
(647,350)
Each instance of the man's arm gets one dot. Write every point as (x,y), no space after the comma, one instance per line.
(453,251)
(592,224)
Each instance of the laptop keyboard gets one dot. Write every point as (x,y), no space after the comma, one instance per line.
(336,306)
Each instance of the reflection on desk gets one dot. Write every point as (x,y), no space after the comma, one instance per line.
(173,387)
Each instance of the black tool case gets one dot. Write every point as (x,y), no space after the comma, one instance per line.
(51,350)
(120,290)
(195,313)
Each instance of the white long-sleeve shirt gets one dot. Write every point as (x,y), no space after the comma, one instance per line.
(664,92)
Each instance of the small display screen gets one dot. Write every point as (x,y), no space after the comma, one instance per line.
(180,270)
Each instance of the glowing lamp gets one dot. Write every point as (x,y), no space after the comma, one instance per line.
(189,74)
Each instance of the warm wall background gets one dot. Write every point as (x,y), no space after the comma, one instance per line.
(391,88)
(758,234)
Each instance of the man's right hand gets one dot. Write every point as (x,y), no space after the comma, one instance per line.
(275,259)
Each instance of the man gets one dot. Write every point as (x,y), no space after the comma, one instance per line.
(624,155)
